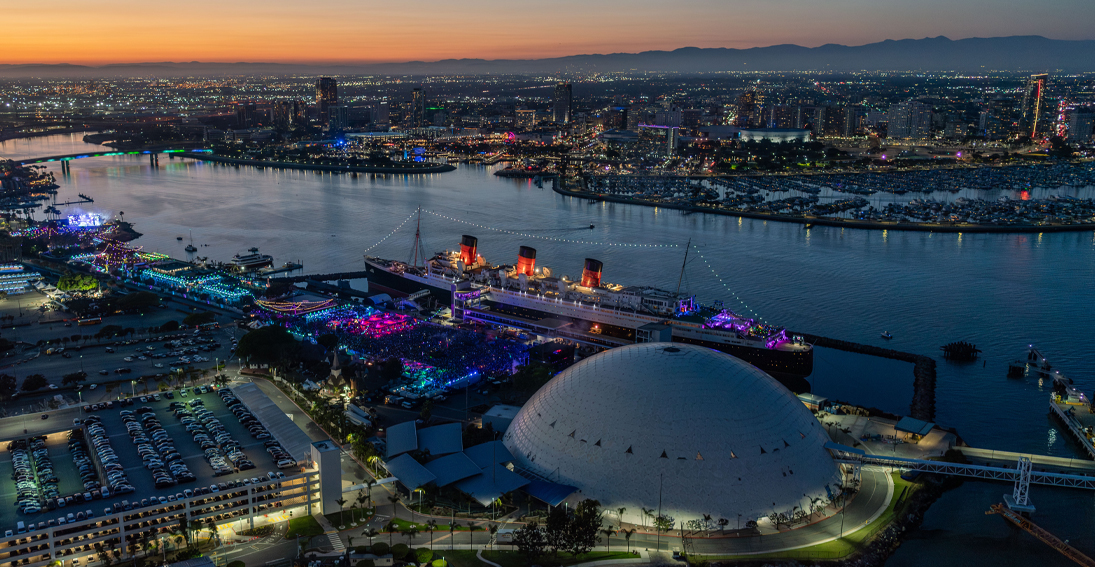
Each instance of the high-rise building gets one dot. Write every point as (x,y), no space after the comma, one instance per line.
(997,120)
(338,118)
(1032,119)
(282,111)
(830,121)
(245,115)
(381,112)
(747,107)
(909,120)
(782,116)
(418,109)
(326,96)
(526,118)
(1081,125)
(562,103)
(300,114)
(671,117)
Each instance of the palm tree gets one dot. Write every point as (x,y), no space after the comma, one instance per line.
(409,533)
(211,525)
(647,512)
(370,533)
(194,527)
(431,525)
(620,515)
(608,533)
(493,530)
(370,482)
(393,499)
(341,512)
(390,527)
(627,537)
(471,533)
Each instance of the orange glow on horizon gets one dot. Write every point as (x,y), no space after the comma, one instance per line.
(351,31)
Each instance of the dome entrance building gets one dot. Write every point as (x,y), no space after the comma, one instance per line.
(713,434)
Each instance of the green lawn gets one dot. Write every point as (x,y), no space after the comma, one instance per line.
(303,527)
(837,549)
(467,558)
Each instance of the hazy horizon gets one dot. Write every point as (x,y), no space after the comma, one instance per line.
(346,32)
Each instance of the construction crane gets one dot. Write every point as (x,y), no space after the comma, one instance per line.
(1045,537)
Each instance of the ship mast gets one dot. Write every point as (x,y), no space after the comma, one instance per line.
(683,264)
(417,236)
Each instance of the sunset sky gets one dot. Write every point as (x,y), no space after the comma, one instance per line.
(114,31)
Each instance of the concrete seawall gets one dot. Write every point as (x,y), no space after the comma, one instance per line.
(922,405)
(417,170)
(841,223)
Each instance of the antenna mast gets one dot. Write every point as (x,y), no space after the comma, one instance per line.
(687,247)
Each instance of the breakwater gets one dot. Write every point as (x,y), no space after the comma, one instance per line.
(809,221)
(922,405)
(409,169)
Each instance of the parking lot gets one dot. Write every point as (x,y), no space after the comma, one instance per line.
(201,351)
(138,476)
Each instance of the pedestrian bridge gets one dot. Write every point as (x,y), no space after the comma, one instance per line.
(70,157)
(1023,475)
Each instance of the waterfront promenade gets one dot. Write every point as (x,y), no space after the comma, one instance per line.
(809,221)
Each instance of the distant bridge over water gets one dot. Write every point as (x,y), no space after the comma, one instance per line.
(152,153)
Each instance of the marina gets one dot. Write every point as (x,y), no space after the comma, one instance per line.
(1013,198)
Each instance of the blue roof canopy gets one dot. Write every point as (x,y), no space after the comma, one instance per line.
(491,452)
(491,484)
(441,439)
(402,438)
(451,468)
(409,472)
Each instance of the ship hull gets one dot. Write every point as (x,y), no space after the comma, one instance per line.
(407,284)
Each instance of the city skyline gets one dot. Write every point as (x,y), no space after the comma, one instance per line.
(62,31)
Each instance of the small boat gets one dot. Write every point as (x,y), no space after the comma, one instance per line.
(179,238)
(591,227)
(190,247)
(886,335)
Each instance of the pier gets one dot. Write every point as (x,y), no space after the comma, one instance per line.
(922,405)
(322,277)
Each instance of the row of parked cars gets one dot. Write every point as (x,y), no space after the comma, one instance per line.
(81,457)
(156,448)
(29,490)
(116,478)
(255,428)
(221,450)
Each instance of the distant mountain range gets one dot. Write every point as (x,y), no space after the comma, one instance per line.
(1016,53)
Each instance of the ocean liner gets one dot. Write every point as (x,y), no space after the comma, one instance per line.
(588,310)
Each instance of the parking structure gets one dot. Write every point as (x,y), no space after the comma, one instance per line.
(195,454)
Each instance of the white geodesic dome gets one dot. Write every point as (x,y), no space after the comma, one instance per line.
(712,433)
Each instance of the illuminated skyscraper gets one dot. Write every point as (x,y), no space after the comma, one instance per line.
(326,96)
(562,103)
(1032,122)
(747,107)
(418,109)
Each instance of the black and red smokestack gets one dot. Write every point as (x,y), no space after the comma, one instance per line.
(468,252)
(591,275)
(526,261)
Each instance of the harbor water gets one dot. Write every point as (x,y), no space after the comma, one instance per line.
(999,291)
